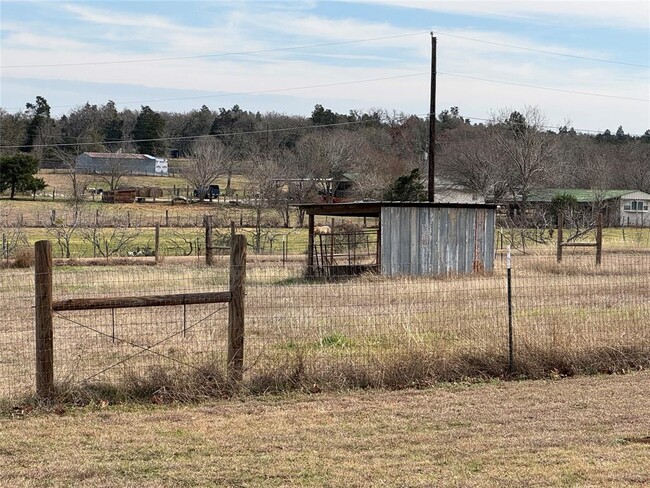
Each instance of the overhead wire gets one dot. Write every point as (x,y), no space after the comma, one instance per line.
(576,92)
(215,55)
(544,51)
(323,85)
(367,80)
(327,44)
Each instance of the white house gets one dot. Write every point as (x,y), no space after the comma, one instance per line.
(634,209)
(620,207)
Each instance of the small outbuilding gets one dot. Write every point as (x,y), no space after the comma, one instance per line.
(125,163)
(414,238)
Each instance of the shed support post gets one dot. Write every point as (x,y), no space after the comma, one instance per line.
(310,245)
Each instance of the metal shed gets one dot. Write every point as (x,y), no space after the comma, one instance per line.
(415,238)
(127,163)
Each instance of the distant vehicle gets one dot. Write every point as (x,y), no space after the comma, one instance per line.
(213,191)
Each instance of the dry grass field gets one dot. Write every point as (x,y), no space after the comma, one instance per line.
(316,335)
(576,432)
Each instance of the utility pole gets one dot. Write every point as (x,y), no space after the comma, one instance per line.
(432,122)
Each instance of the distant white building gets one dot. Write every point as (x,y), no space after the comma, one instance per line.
(634,209)
(136,164)
(620,207)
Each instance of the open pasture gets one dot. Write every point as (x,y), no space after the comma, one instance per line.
(364,331)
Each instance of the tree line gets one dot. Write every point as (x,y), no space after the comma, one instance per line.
(504,158)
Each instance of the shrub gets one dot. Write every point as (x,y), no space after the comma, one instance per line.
(24,259)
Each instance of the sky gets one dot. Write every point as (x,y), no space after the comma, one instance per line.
(582,63)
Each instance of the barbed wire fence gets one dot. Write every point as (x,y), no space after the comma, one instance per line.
(351,331)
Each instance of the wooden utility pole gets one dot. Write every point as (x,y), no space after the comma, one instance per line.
(432,121)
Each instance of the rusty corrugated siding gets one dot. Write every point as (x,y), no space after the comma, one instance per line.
(436,240)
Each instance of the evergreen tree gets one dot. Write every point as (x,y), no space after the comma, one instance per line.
(39,114)
(17,174)
(149,127)
(322,116)
(407,188)
(112,124)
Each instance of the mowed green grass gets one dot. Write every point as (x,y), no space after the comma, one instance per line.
(578,432)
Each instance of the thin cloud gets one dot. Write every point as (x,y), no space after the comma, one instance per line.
(622,13)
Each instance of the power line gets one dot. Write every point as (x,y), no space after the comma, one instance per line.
(542,51)
(338,43)
(182,138)
(368,80)
(274,90)
(215,55)
(545,87)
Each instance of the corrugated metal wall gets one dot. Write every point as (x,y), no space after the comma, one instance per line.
(86,163)
(436,240)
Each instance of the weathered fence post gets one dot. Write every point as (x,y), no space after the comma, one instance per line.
(236,308)
(599,238)
(43,319)
(208,241)
(560,227)
(156,243)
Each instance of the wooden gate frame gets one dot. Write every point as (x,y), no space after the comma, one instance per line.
(598,244)
(45,306)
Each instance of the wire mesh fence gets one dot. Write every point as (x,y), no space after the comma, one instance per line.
(352,330)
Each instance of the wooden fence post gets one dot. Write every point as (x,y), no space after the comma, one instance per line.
(208,240)
(236,308)
(599,238)
(43,319)
(156,243)
(560,227)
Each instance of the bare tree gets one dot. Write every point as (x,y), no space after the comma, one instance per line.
(78,181)
(266,177)
(13,234)
(183,241)
(114,173)
(635,157)
(325,157)
(523,153)
(63,228)
(109,241)
(209,160)
(467,158)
